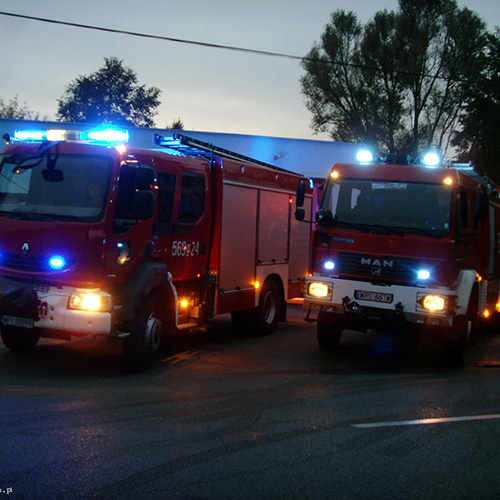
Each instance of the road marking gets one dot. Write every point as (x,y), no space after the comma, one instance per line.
(184,357)
(428,421)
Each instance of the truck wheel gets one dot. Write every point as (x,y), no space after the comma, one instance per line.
(329,330)
(263,319)
(455,351)
(268,310)
(145,337)
(19,339)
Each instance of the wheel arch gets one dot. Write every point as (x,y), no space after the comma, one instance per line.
(147,279)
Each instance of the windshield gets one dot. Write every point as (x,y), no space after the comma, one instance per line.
(54,187)
(408,206)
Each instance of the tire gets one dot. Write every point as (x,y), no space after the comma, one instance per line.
(461,334)
(19,339)
(268,310)
(329,330)
(263,319)
(145,337)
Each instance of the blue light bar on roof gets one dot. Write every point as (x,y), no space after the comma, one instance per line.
(108,135)
(30,135)
(100,135)
(364,156)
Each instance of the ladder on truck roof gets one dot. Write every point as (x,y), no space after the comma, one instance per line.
(469,170)
(194,147)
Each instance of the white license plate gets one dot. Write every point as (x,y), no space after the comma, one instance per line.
(15,321)
(386,298)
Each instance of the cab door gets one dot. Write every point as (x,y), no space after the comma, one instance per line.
(191,225)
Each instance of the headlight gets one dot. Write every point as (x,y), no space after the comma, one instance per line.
(423,274)
(319,290)
(432,303)
(90,301)
(329,265)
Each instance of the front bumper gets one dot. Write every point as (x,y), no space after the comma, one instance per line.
(373,304)
(55,314)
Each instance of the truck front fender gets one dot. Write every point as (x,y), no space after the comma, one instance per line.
(147,277)
(463,285)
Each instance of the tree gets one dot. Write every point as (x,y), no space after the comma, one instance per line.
(398,81)
(14,110)
(479,138)
(110,95)
(176,125)
(443,47)
(334,84)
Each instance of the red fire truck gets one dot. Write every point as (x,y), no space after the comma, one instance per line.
(140,244)
(405,248)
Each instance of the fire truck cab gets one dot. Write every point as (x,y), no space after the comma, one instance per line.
(413,249)
(98,238)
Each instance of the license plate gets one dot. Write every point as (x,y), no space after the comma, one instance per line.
(15,321)
(386,298)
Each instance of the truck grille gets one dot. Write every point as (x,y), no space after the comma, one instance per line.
(32,263)
(372,268)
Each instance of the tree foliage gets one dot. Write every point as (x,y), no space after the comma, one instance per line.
(398,82)
(479,139)
(176,124)
(110,95)
(13,109)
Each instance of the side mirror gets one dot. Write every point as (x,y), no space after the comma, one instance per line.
(324,217)
(52,175)
(301,191)
(300,214)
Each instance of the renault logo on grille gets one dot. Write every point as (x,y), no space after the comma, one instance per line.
(25,248)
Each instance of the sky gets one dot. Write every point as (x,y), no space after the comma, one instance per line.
(209,89)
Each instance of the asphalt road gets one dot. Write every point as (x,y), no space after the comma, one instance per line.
(229,417)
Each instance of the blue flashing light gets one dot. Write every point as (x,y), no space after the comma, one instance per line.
(30,135)
(329,265)
(57,262)
(364,156)
(423,274)
(108,135)
(431,159)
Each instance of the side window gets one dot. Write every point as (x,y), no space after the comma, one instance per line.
(166,193)
(126,188)
(192,202)
(463,210)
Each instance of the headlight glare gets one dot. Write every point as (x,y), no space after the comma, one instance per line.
(432,303)
(319,290)
(86,301)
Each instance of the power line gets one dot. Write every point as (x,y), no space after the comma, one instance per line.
(213,45)
(190,42)
(156,37)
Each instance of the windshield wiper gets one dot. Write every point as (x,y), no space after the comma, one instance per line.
(419,230)
(367,227)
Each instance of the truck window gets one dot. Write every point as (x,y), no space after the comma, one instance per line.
(409,206)
(166,192)
(78,192)
(463,210)
(192,201)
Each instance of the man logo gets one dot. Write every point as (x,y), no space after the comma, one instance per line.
(25,248)
(366,261)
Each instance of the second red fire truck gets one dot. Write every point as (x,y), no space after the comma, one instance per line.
(140,244)
(408,248)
